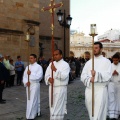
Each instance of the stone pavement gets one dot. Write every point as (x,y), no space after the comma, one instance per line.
(15,107)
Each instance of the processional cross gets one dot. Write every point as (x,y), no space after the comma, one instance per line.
(51,8)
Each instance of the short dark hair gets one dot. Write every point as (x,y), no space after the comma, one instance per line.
(87,52)
(115,56)
(11,60)
(18,57)
(60,51)
(99,43)
(34,55)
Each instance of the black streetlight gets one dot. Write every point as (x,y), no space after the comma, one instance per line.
(66,22)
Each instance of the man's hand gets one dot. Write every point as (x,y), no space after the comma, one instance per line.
(50,80)
(2,82)
(28,84)
(115,72)
(93,72)
(28,72)
(92,79)
(53,67)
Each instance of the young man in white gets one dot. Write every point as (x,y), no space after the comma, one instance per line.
(35,73)
(61,71)
(114,90)
(100,76)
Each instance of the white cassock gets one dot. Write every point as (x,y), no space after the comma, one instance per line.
(114,93)
(102,66)
(33,105)
(61,78)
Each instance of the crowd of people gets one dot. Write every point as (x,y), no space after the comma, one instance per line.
(105,76)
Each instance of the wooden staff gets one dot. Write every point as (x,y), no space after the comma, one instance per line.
(28,39)
(93,34)
(92,76)
(51,8)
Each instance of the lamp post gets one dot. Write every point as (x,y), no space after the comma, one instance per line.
(65,22)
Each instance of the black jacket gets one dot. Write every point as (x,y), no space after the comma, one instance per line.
(3,72)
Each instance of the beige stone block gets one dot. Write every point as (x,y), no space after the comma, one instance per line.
(19,4)
(36,5)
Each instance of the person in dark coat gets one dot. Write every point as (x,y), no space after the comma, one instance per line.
(2,79)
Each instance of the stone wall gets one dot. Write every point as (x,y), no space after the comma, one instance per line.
(12,15)
(45,30)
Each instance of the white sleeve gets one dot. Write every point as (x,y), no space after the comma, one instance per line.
(85,77)
(62,74)
(105,75)
(47,74)
(25,77)
(37,75)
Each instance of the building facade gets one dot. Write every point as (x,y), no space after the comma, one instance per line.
(78,47)
(17,17)
(45,29)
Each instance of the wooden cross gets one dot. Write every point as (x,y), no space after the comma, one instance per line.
(51,8)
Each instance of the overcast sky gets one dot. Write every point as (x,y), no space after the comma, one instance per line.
(105,13)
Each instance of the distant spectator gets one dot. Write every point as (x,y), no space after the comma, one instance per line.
(7,65)
(86,56)
(43,63)
(12,73)
(77,63)
(104,54)
(19,66)
(2,79)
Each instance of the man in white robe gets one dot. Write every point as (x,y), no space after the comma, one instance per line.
(114,90)
(100,76)
(35,73)
(61,71)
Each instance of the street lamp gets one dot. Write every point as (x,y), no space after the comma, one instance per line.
(64,22)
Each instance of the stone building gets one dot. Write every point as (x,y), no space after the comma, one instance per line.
(16,17)
(19,16)
(79,45)
(45,30)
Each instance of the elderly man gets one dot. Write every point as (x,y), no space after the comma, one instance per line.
(2,79)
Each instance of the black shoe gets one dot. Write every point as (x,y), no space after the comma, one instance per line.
(2,102)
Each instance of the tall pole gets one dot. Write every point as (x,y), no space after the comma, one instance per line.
(51,8)
(93,76)
(93,33)
(28,39)
(64,25)
(28,75)
(66,22)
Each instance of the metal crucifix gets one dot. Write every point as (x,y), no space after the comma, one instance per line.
(51,8)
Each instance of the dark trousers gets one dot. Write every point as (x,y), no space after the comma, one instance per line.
(19,77)
(7,78)
(1,90)
(12,80)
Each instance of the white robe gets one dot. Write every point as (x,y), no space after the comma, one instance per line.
(61,78)
(102,66)
(33,105)
(114,93)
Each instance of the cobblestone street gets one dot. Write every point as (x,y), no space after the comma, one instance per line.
(14,109)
